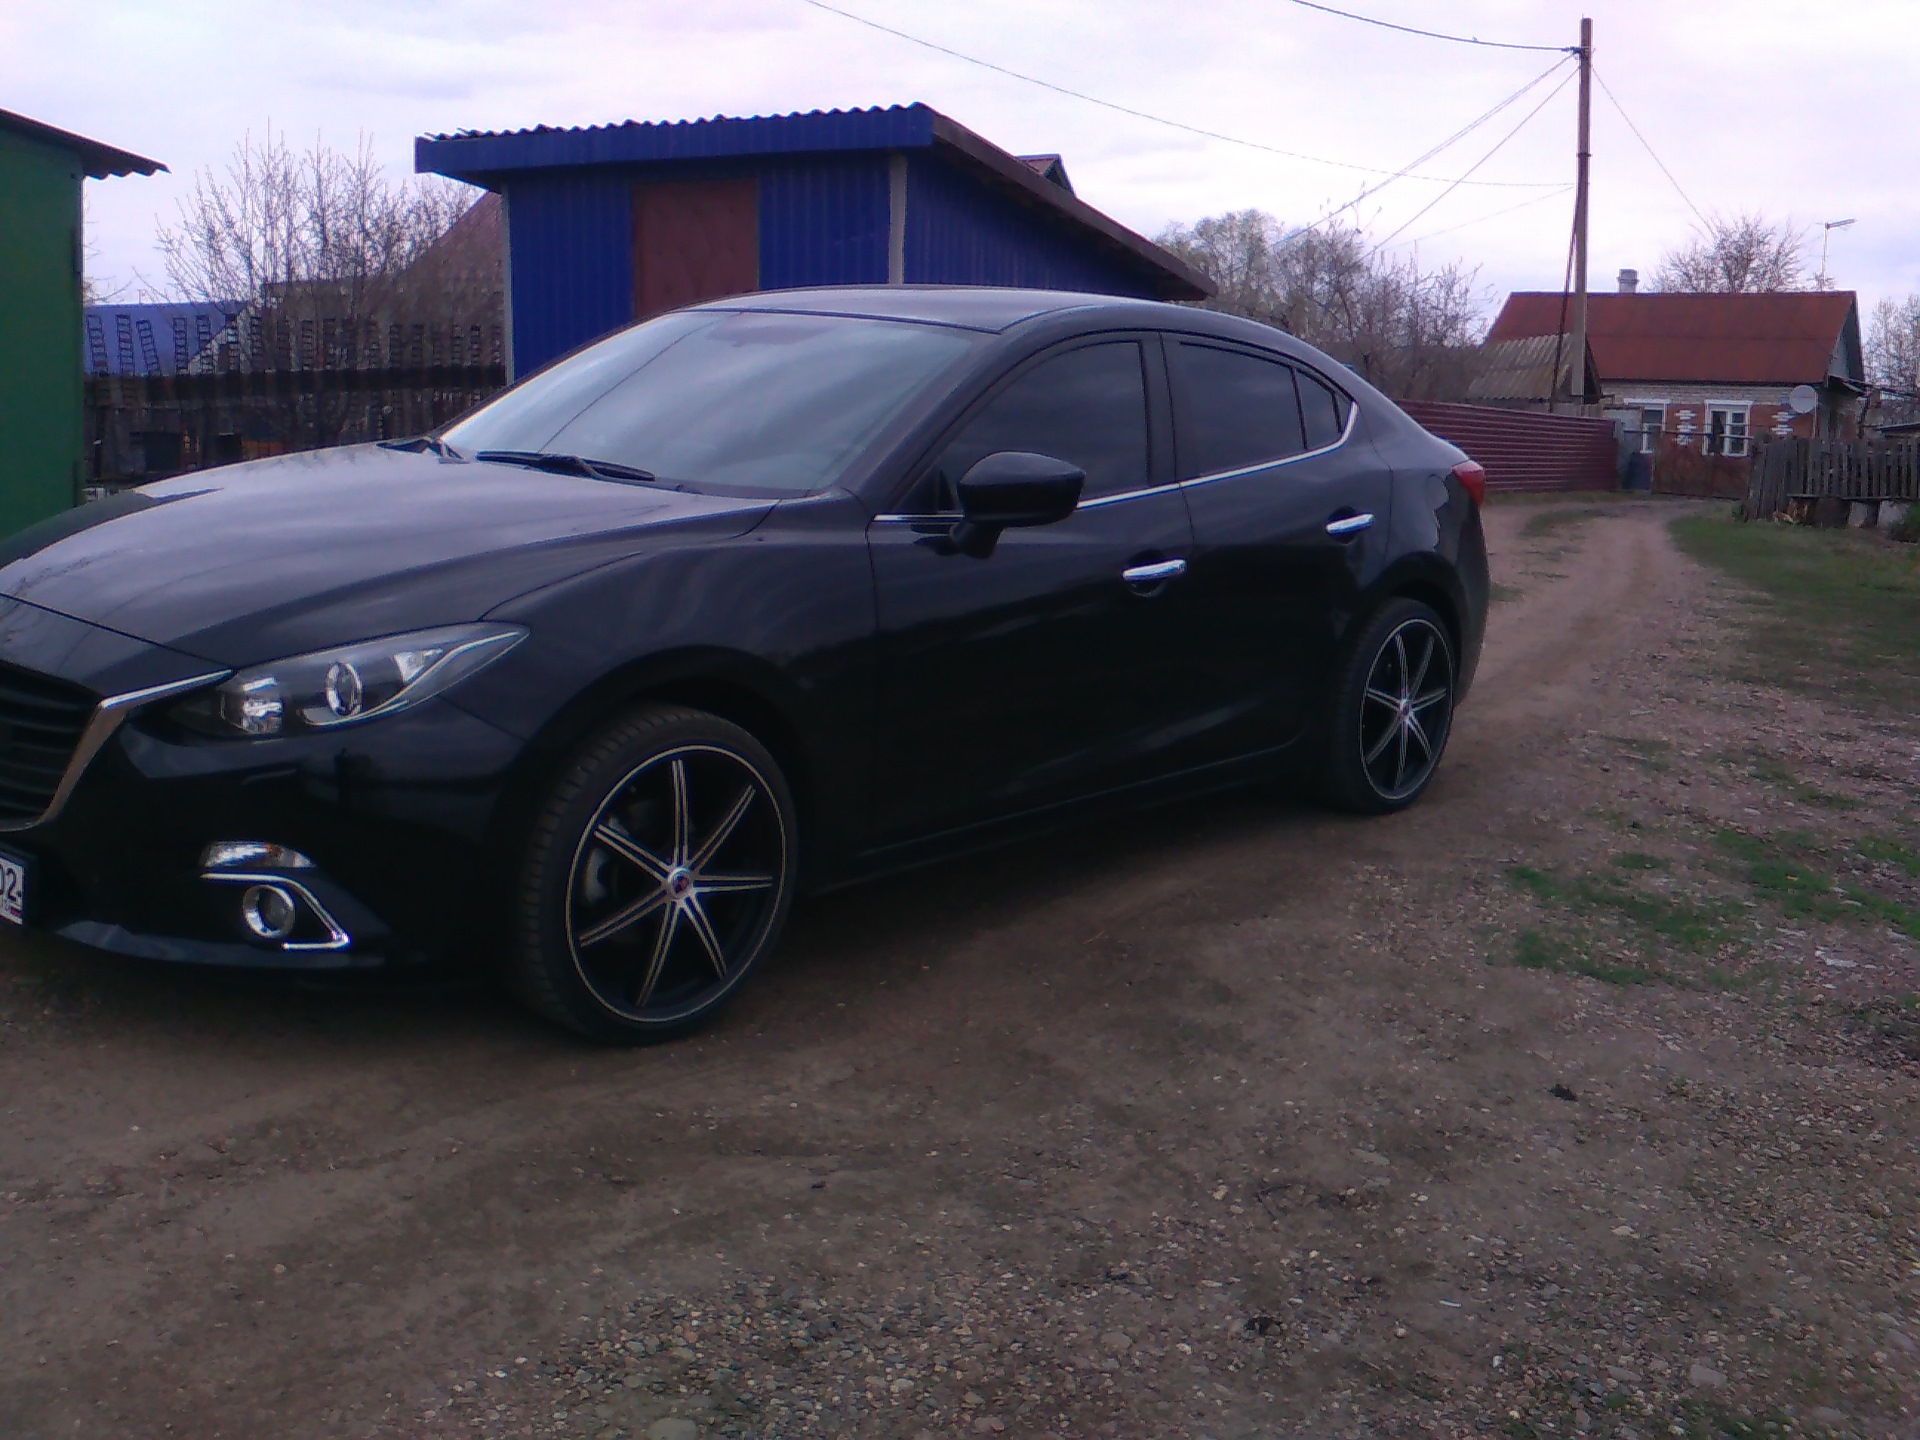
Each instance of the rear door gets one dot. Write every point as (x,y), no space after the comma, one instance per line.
(1289,512)
(1051,668)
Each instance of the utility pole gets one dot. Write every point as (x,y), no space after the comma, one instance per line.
(1578,388)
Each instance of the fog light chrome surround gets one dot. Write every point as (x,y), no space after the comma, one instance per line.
(252,854)
(269,911)
(302,899)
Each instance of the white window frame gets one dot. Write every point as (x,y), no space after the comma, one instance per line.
(1647,438)
(1730,408)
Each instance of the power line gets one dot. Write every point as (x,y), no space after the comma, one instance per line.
(1478,163)
(1160,119)
(1433,34)
(1482,219)
(1650,151)
(1445,144)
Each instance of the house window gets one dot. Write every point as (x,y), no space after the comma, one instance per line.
(1726,430)
(1653,419)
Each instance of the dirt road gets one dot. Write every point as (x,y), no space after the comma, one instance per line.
(1237,1120)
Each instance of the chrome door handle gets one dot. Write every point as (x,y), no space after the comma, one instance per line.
(1349,525)
(1153,574)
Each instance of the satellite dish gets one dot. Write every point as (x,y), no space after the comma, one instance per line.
(1802,399)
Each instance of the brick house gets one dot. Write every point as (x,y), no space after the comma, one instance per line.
(1713,372)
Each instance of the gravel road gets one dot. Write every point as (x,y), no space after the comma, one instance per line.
(1543,1109)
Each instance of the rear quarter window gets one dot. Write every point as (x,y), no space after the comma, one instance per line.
(1236,410)
(1323,410)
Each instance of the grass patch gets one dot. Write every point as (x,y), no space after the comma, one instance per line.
(1505,498)
(1639,860)
(1903,918)
(1536,950)
(1883,851)
(1648,754)
(1838,606)
(1497,592)
(1769,770)
(1549,522)
(1785,872)
(1674,924)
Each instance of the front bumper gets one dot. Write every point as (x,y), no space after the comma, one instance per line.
(395,816)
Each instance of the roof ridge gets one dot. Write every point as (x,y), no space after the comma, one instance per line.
(715,119)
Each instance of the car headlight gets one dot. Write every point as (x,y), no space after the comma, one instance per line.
(330,688)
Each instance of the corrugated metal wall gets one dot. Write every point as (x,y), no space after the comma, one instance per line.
(823,221)
(961,233)
(571,237)
(1524,450)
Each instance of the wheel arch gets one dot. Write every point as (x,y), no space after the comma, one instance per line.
(1432,585)
(733,686)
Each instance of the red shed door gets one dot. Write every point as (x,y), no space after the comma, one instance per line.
(694,240)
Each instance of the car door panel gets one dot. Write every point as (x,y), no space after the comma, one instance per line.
(1039,672)
(1282,543)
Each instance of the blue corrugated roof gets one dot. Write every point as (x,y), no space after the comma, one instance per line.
(469,154)
(159,339)
(496,158)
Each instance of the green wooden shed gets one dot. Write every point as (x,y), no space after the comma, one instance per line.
(42,431)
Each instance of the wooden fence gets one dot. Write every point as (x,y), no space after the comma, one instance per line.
(1786,471)
(142,427)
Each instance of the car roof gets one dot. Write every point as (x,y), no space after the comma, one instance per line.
(971,307)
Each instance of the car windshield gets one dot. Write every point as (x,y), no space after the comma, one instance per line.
(730,399)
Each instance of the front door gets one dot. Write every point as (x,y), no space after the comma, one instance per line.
(694,240)
(1290,514)
(1052,667)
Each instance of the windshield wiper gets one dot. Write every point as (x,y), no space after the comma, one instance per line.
(567,464)
(431,444)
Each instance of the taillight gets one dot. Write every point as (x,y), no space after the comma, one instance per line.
(1473,479)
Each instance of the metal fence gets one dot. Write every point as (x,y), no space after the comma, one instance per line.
(1524,450)
(1790,471)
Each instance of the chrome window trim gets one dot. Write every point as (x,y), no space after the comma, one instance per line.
(1353,412)
(337,938)
(1346,434)
(106,718)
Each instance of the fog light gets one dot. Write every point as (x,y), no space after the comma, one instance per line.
(269,911)
(250,854)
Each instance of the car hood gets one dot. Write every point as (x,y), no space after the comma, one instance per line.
(252,562)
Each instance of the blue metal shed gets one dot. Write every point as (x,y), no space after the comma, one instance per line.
(614,222)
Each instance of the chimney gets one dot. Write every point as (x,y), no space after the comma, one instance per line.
(1629,282)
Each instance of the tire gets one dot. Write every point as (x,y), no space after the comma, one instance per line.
(658,874)
(1388,718)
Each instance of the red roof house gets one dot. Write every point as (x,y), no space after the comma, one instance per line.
(1718,369)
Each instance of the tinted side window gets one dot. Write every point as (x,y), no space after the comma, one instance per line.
(1087,407)
(1323,409)
(1236,410)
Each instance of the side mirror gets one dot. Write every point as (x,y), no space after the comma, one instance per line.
(1013,488)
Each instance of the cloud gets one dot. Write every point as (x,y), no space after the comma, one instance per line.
(1754,104)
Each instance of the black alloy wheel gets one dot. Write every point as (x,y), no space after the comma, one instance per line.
(659,875)
(1392,710)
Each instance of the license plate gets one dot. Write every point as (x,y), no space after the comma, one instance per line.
(13,891)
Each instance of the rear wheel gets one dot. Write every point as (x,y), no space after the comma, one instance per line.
(1391,710)
(659,874)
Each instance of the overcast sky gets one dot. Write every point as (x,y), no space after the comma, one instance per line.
(1791,107)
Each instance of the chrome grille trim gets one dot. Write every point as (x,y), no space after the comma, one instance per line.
(106,718)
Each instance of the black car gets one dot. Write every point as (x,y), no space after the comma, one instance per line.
(757,597)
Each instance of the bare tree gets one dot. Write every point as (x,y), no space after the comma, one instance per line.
(1742,254)
(1893,356)
(1410,331)
(278,219)
(321,256)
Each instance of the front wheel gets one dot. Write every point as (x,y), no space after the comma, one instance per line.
(658,875)
(1391,710)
